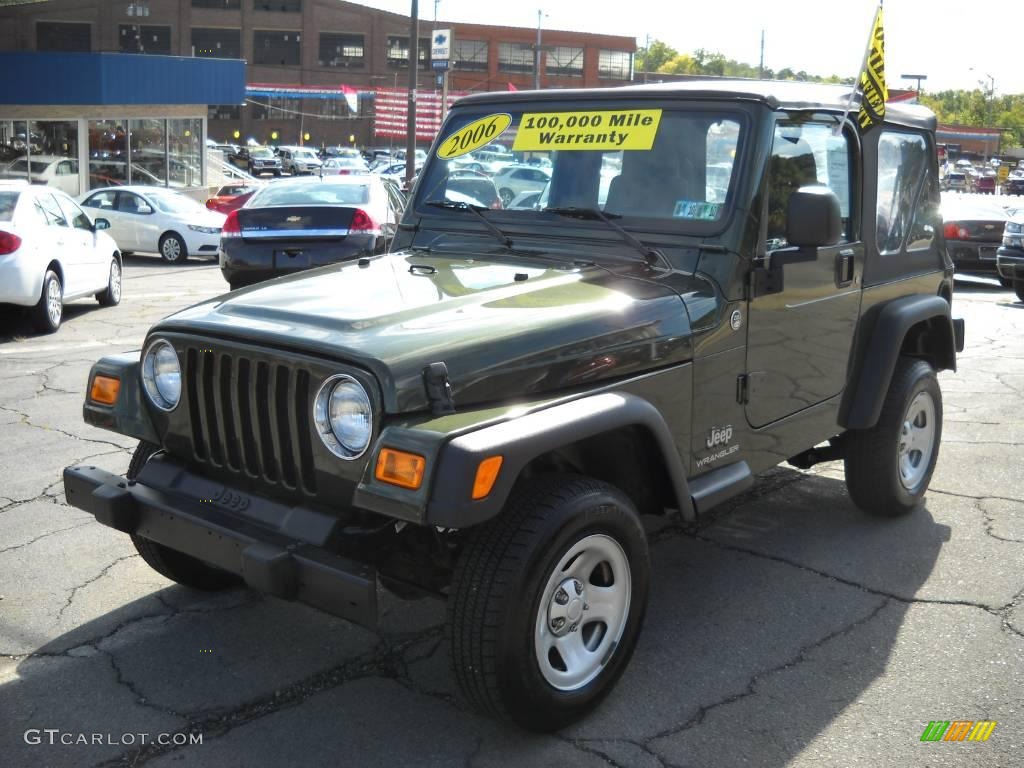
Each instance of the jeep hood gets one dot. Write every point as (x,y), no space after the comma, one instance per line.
(505,329)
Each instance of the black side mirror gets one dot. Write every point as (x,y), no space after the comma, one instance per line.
(100,224)
(813,219)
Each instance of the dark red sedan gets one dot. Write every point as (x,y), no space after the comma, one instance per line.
(230,198)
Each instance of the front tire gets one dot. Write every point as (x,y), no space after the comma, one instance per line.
(176,566)
(172,248)
(889,467)
(1018,288)
(49,311)
(507,196)
(547,602)
(112,296)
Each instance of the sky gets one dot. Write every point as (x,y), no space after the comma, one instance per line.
(939,38)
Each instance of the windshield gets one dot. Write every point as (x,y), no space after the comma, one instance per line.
(315,193)
(674,166)
(168,203)
(261,153)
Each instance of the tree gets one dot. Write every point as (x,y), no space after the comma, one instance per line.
(653,58)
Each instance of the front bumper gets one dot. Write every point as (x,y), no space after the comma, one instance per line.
(275,548)
(1010,263)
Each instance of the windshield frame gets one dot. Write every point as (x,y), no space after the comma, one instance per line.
(745,115)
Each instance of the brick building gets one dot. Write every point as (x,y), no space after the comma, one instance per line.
(296,46)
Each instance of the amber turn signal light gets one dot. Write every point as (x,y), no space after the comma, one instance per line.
(400,468)
(104,390)
(486,475)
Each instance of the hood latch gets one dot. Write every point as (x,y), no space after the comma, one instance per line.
(439,389)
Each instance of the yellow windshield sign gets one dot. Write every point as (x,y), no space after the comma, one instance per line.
(607,129)
(475,135)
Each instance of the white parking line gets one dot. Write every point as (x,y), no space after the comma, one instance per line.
(172,295)
(62,346)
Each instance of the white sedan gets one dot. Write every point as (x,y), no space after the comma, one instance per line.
(51,252)
(157,220)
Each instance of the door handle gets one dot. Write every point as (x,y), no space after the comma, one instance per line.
(845,263)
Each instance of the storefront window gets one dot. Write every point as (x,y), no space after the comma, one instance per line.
(148,152)
(184,161)
(108,153)
(41,152)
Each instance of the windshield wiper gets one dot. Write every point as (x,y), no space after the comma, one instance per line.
(451,205)
(650,255)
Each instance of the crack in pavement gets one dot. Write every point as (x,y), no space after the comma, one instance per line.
(251,598)
(27,421)
(75,590)
(1001,612)
(750,690)
(45,535)
(380,661)
(593,748)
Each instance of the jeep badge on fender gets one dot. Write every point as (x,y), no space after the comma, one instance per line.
(686,286)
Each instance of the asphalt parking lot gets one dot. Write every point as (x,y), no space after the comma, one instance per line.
(784,630)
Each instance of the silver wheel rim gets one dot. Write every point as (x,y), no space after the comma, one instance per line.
(53,301)
(115,281)
(172,249)
(582,612)
(917,440)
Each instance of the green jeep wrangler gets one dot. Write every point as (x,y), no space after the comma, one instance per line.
(719,277)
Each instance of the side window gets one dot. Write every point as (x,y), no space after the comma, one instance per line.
(128,203)
(808,154)
(104,200)
(51,210)
(77,217)
(903,172)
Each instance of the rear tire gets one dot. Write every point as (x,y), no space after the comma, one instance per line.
(507,196)
(1018,288)
(112,296)
(547,602)
(49,311)
(176,566)
(889,467)
(172,248)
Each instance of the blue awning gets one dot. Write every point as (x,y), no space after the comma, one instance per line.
(56,78)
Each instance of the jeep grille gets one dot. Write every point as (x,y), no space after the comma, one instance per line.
(252,417)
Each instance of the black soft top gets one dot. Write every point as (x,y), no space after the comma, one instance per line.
(776,94)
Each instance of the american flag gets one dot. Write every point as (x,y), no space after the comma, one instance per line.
(391,105)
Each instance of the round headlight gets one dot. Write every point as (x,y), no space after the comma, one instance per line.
(343,416)
(161,375)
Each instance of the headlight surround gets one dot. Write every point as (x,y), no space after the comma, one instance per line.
(161,375)
(204,230)
(343,415)
(1013,227)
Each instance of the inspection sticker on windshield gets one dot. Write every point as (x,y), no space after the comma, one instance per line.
(475,135)
(694,209)
(607,129)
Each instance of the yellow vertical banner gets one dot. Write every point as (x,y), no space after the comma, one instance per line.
(872,79)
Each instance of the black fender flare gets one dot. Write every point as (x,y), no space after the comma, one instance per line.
(520,440)
(880,339)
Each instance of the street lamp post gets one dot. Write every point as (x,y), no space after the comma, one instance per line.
(410,125)
(536,54)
